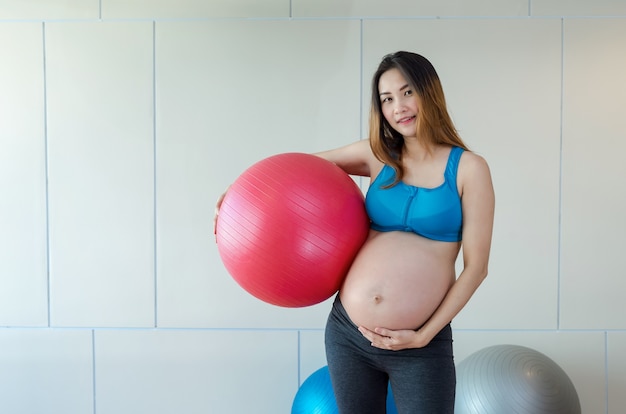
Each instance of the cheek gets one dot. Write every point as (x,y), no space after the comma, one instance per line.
(416,106)
(387,113)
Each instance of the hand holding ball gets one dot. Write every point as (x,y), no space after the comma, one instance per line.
(289,228)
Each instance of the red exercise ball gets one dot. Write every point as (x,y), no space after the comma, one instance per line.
(290,227)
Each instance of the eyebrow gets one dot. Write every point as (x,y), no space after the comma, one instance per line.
(389,93)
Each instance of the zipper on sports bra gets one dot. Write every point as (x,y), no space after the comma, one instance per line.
(407,206)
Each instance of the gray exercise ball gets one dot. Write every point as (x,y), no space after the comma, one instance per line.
(513,379)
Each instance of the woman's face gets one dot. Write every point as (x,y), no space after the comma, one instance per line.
(398,102)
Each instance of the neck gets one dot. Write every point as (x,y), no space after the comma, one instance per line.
(416,149)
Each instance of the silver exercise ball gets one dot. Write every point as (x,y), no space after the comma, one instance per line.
(513,379)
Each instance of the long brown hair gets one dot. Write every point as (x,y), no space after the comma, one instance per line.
(434,124)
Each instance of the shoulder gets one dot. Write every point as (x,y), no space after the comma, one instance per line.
(473,171)
(364,148)
(471,162)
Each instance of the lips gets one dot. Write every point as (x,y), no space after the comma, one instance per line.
(405,120)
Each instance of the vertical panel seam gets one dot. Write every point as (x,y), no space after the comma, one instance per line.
(361,77)
(560,200)
(154,175)
(606,371)
(46,171)
(361,92)
(299,358)
(93,368)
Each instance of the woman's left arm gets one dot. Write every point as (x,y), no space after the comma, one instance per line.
(478,202)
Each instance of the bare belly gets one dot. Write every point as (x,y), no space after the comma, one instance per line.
(398,280)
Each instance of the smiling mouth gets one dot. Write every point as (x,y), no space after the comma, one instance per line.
(405,120)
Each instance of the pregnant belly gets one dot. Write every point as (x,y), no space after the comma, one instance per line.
(398,280)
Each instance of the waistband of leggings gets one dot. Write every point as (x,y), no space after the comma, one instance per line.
(340,311)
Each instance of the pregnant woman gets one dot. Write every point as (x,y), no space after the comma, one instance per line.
(428,195)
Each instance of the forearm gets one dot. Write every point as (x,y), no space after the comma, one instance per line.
(454,301)
(354,159)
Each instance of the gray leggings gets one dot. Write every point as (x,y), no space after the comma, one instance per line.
(423,381)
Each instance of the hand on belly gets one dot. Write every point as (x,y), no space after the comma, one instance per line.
(393,340)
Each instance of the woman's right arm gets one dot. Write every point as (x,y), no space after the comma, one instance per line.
(355,159)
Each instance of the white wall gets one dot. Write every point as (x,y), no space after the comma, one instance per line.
(121,121)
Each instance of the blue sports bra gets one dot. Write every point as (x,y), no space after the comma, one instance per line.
(434,213)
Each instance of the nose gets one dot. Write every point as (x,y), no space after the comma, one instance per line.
(399,108)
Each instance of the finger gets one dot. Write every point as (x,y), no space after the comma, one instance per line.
(376,340)
(365,332)
(370,336)
(384,332)
(220,199)
(384,342)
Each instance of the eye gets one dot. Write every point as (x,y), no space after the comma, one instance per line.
(387,99)
(408,92)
